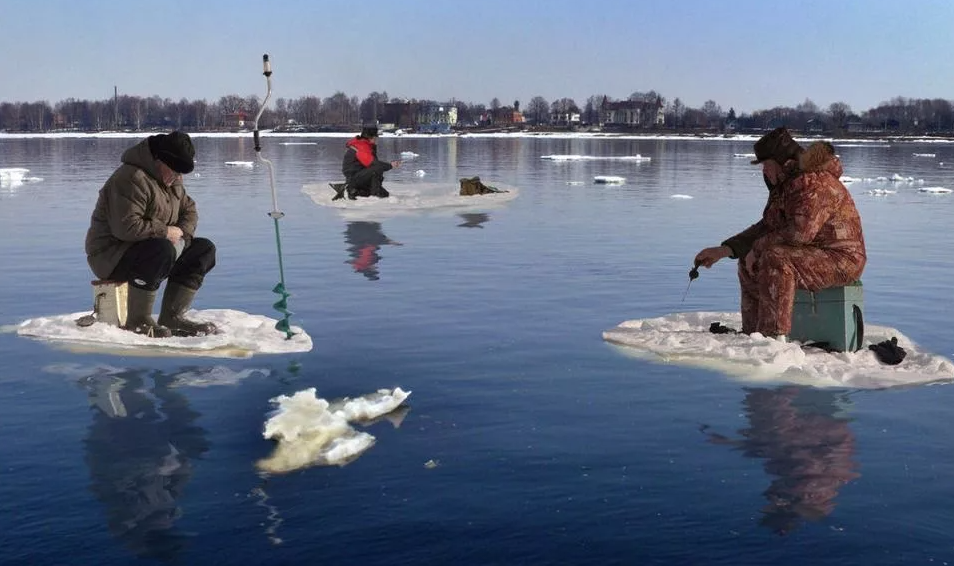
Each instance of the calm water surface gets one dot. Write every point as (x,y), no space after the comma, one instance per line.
(551,446)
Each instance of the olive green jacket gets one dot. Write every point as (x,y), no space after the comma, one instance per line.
(135,205)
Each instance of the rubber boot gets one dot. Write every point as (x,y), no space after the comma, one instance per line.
(175,302)
(339,189)
(376,189)
(139,303)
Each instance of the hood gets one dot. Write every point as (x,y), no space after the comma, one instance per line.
(819,157)
(359,142)
(140,156)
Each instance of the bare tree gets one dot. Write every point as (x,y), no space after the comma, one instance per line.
(839,112)
(538,109)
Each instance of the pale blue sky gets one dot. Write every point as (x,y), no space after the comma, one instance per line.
(744,54)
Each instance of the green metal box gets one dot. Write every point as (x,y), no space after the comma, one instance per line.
(833,316)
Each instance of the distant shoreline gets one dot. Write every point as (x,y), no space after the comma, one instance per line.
(865,139)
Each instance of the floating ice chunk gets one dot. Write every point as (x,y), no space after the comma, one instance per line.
(881,192)
(743,155)
(409,155)
(924,155)
(848,180)
(12,176)
(419,173)
(247,164)
(681,196)
(574,182)
(609,180)
(935,190)
(311,431)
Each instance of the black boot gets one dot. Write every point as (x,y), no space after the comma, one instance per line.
(339,189)
(175,302)
(139,303)
(376,189)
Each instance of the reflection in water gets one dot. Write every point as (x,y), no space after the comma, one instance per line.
(473,219)
(805,441)
(364,239)
(139,449)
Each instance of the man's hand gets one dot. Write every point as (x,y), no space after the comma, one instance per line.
(709,256)
(173,234)
(395,164)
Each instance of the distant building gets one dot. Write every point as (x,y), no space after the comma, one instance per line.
(401,114)
(235,120)
(505,115)
(436,117)
(565,119)
(632,113)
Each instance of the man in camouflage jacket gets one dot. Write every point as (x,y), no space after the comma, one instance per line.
(810,235)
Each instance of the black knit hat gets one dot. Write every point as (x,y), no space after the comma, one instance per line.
(369,132)
(175,149)
(778,145)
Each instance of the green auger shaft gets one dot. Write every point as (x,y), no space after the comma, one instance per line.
(282,304)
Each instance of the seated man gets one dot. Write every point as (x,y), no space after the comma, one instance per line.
(810,235)
(142,231)
(363,171)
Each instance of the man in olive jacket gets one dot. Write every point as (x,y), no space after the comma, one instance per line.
(142,231)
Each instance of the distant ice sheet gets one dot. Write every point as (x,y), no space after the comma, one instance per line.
(684,339)
(312,431)
(245,164)
(935,190)
(573,157)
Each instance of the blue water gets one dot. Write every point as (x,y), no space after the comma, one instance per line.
(551,447)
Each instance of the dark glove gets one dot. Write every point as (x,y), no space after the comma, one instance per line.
(719,328)
(889,352)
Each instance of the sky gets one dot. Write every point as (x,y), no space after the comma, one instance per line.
(743,54)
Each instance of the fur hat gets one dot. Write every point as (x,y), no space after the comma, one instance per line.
(175,149)
(778,145)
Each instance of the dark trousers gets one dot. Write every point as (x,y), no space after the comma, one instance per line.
(367,183)
(147,263)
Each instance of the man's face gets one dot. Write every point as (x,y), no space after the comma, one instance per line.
(168,175)
(772,170)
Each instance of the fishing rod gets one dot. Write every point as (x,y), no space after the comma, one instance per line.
(693,275)
(282,304)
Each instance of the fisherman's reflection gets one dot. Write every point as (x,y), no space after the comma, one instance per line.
(364,240)
(139,451)
(473,219)
(806,443)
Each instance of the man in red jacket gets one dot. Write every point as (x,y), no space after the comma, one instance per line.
(363,171)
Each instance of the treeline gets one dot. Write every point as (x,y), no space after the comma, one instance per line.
(339,111)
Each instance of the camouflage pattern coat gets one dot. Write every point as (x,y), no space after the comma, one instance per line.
(772,215)
(819,244)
